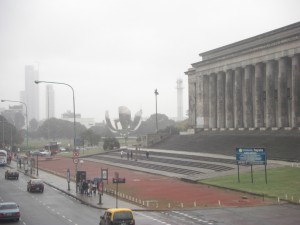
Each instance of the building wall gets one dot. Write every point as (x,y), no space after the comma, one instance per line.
(31,93)
(254,83)
(50,106)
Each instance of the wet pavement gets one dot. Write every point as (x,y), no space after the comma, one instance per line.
(146,188)
(60,183)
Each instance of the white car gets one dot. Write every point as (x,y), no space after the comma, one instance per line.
(45,153)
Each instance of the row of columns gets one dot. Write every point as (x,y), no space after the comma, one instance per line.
(266,94)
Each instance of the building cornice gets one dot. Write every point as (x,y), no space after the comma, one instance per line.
(257,43)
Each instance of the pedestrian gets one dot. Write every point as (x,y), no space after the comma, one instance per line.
(127,155)
(84,187)
(90,191)
(131,155)
(147,154)
(94,186)
(20,162)
(122,154)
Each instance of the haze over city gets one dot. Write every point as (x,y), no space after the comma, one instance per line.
(116,53)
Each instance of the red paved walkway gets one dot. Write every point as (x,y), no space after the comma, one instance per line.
(159,191)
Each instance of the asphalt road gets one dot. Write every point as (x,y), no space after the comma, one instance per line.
(54,207)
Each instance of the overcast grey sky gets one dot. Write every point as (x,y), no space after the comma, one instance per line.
(117,52)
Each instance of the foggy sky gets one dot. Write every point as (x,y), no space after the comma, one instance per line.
(118,52)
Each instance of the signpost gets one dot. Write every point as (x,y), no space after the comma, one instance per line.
(100,191)
(104,174)
(75,160)
(68,178)
(251,156)
(117,180)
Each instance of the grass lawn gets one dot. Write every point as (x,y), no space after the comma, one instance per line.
(283,183)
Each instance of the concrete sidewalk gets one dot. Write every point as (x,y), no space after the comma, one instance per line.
(61,184)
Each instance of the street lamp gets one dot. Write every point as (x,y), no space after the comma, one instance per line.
(51,82)
(4,100)
(156,93)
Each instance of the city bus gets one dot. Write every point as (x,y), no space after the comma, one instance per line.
(3,157)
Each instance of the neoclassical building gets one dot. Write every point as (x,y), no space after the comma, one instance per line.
(253,83)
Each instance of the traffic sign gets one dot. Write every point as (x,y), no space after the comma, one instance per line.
(119,180)
(75,154)
(75,160)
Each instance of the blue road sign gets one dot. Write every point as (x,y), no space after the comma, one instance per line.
(251,156)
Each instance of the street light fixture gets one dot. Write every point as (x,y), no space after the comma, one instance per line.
(4,100)
(156,93)
(74,114)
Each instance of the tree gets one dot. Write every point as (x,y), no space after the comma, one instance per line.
(33,125)
(110,143)
(19,120)
(149,126)
(91,137)
(56,129)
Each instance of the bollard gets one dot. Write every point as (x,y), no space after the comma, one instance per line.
(169,205)
(181,205)
(195,204)
(219,203)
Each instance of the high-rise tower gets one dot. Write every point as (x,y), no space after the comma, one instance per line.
(50,109)
(179,99)
(31,92)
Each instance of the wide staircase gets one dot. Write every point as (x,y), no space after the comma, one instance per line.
(279,145)
(205,154)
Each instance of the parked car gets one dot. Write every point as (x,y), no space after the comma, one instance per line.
(45,153)
(117,216)
(35,185)
(9,211)
(40,153)
(11,174)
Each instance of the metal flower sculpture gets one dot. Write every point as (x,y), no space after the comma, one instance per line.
(124,125)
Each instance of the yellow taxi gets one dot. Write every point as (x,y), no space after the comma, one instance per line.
(117,216)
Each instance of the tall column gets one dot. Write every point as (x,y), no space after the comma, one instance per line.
(221,100)
(295,90)
(283,71)
(259,98)
(206,100)
(199,102)
(212,100)
(248,100)
(238,98)
(270,93)
(192,102)
(229,99)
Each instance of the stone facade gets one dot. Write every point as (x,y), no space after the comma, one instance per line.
(253,83)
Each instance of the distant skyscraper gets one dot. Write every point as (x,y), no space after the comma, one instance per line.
(50,108)
(31,92)
(179,100)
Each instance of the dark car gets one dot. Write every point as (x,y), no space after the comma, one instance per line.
(117,216)
(9,211)
(35,185)
(11,174)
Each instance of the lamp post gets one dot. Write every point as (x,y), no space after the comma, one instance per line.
(37,164)
(4,100)
(156,93)
(74,114)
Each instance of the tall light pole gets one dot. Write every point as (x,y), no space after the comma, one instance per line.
(74,114)
(4,100)
(156,93)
